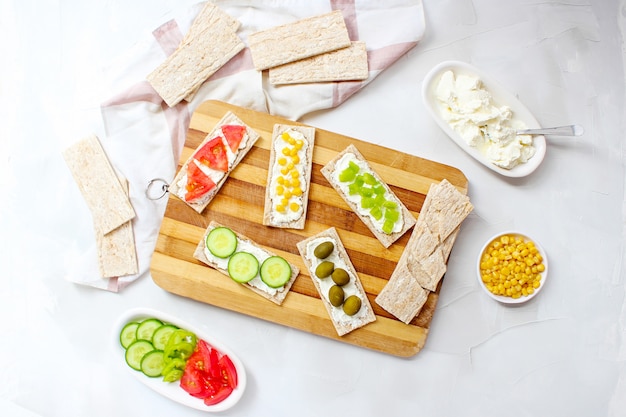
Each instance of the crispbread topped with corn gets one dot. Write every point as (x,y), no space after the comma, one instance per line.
(289,176)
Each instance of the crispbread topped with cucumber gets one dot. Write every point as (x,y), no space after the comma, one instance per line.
(246,262)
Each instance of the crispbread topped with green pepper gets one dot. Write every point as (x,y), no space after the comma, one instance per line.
(368,195)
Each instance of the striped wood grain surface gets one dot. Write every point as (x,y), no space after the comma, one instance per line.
(239,205)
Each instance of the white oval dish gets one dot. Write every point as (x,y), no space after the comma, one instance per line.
(173,391)
(510,300)
(501,96)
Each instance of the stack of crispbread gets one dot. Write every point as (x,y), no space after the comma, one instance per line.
(106,195)
(423,262)
(315,49)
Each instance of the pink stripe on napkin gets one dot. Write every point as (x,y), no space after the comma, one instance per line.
(348,10)
(379,59)
(168,36)
(142,91)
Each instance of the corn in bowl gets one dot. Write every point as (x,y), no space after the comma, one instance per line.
(512,267)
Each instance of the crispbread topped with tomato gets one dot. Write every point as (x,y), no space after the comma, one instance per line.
(206,170)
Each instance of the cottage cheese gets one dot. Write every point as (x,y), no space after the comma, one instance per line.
(469,109)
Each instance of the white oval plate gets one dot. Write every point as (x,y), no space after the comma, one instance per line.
(511,300)
(501,96)
(173,391)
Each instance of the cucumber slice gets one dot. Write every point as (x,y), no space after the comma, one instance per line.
(152,363)
(275,271)
(146,329)
(128,334)
(162,335)
(136,351)
(243,266)
(221,242)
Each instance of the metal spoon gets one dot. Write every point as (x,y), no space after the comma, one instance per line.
(571,130)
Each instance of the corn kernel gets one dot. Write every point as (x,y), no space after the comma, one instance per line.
(280,190)
(282,161)
(511,267)
(294,207)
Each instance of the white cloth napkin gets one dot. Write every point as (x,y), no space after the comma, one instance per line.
(144,137)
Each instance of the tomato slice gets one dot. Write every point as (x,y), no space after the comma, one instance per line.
(229,372)
(234,135)
(191,382)
(213,154)
(214,365)
(198,183)
(208,374)
(220,396)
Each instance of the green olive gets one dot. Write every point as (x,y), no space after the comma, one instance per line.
(335,295)
(323,250)
(352,305)
(324,269)
(340,276)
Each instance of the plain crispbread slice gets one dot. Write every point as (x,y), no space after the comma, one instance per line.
(210,15)
(366,314)
(117,255)
(278,297)
(423,261)
(445,208)
(306,163)
(228,118)
(211,43)
(402,296)
(301,39)
(345,64)
(386,240)
(99,184)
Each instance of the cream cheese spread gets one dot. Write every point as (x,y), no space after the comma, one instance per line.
(214,174)
(259,253)
(284,172)
(324,284)
(469,109)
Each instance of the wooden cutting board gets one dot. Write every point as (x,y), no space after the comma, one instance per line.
(239,205)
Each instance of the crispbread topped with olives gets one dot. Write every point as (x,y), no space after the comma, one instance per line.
(336,281)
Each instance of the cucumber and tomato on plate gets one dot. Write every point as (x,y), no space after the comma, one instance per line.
(175,361)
